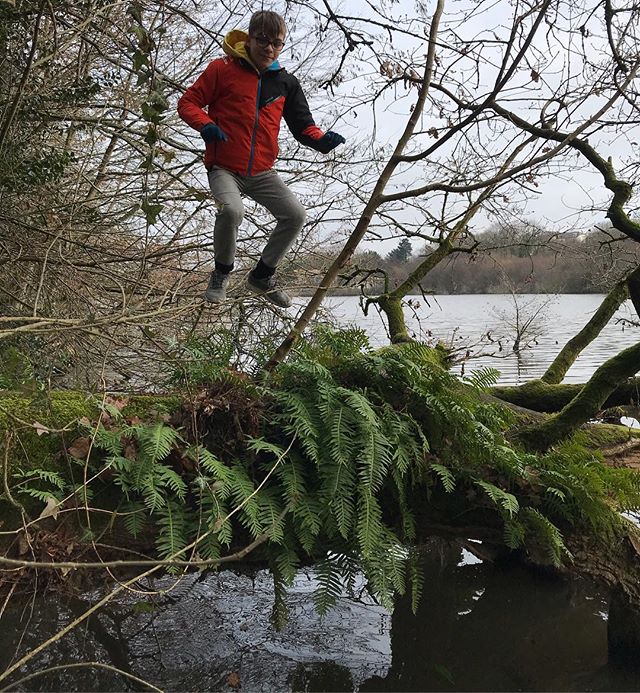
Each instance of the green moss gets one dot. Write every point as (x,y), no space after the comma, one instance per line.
(57,410)
(606,435)
(538,395)
(150,407)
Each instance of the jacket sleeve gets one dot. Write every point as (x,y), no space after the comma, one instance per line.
(299,119)
(198,96)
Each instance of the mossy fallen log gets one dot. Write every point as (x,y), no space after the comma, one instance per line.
(338,453)
(543,397)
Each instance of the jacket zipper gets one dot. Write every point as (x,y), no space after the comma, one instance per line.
(255,127)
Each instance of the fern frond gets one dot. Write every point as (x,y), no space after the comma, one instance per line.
(338,491)
(270,517)
(43,496)
(373,459)
(514,533)
(340,439)
(156,440)
(206,460)
(482,379)
(262,445)
(279,611)
(171,480)
(416,579)
(172,535)
(504,500)
(290,474)
(51,477)
(109,440)
(548,534)
(447,479)
(135,518)
(359,404)
(370,529)
(329,588)
(299,420)
(209,547)
(152,494)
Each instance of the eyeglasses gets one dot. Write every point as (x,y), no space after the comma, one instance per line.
(263,42)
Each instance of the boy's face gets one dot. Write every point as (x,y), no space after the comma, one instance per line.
(263,50)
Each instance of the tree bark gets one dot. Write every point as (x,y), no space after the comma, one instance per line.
(391,303)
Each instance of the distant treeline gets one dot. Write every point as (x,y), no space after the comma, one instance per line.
(521,260)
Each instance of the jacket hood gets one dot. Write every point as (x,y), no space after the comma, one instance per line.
(234,45)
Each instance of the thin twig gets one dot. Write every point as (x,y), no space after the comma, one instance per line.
(77,665)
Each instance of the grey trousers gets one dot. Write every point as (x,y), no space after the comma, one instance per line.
(268,190)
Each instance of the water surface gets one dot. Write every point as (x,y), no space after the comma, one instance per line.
(482,325)
(478,628)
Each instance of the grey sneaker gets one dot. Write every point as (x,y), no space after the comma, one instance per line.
(267,286)
(217,289)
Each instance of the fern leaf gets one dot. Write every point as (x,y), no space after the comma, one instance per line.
(446,477)
(209,462)
(172,536)
(262,445)
(482,378)
(329,586)
(514,533)
(549,535)
(134,518)
(279,611)
(171,480)
(506,501)
(111,441)
(369,524)
(156,440)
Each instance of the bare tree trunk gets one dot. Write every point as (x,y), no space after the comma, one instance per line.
(574,347)
(369,210)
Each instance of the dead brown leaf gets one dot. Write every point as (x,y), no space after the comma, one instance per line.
(23,543)
(50,509)
(118,402)
(233,679)
(41,429)
(80,448)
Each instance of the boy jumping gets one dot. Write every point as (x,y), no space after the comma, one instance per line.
(246,94)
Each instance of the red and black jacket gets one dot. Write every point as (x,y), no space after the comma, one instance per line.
(248,107)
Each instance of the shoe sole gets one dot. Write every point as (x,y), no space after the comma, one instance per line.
(217,299)
(258,291)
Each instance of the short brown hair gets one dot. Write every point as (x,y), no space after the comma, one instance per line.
(266,22)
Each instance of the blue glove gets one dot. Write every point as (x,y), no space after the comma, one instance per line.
(212,133)
(330,140)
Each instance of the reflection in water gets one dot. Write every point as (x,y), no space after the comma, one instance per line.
(208,633)
(482,628)
(478,628)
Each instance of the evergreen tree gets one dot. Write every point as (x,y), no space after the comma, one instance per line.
(402,253)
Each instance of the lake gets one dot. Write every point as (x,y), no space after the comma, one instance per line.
(479,627)
(463,321)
